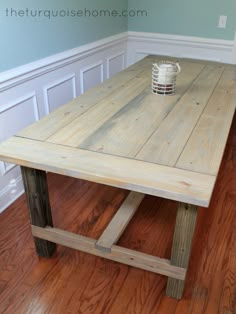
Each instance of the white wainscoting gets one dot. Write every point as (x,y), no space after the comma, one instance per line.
(115,62)
(59,92)
(141,44)
(91,76)
(30,92)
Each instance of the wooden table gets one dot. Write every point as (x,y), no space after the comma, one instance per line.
(122,135)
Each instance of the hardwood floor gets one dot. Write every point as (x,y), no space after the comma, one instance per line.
(75,282)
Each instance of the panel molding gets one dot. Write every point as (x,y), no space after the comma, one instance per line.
(20,100)
(234,49)
(11,192)
(142,43)
(88,68)
(109,59)
(5,167)
(56,83)
(32,70)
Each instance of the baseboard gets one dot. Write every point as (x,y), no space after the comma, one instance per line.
(11,192)
(32,70)
(141,44)
(234,50)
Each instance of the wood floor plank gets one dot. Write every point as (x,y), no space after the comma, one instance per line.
(207,292)
(167,306)
(148,291)
(106,277)
(228,296)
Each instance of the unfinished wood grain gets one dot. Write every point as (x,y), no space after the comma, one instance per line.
(119,222)
(118,254)
(176,184)
(181,247)
(126,132)
(64,115)
(166,144)
(205,148)
(71,278)
(36,191)
(127,135)
(80,128)
(228,81)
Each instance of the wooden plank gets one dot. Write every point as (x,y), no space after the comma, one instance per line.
(126,132)
(181,247)
(36,191)
(134,175)
(118,254)
(227,83)
(119,222)
(205,148)
(166,144)
(80,128)
(69,112)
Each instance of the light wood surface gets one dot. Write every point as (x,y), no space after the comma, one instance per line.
(135,175)
(205,148)
(118,254)
(181,247)
(69,112)
(166,144)
(119,133)
(119,222)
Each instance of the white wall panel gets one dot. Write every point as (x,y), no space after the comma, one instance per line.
(115,64)
(91,76)
(16,115)
(59,93)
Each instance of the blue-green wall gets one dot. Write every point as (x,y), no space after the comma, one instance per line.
(185,17)
(23,40)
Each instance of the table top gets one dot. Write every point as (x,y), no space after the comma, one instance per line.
(120,134)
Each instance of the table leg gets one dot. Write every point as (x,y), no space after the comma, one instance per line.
(181,247)
(36,190)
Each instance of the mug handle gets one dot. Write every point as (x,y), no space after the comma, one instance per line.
(155,66)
